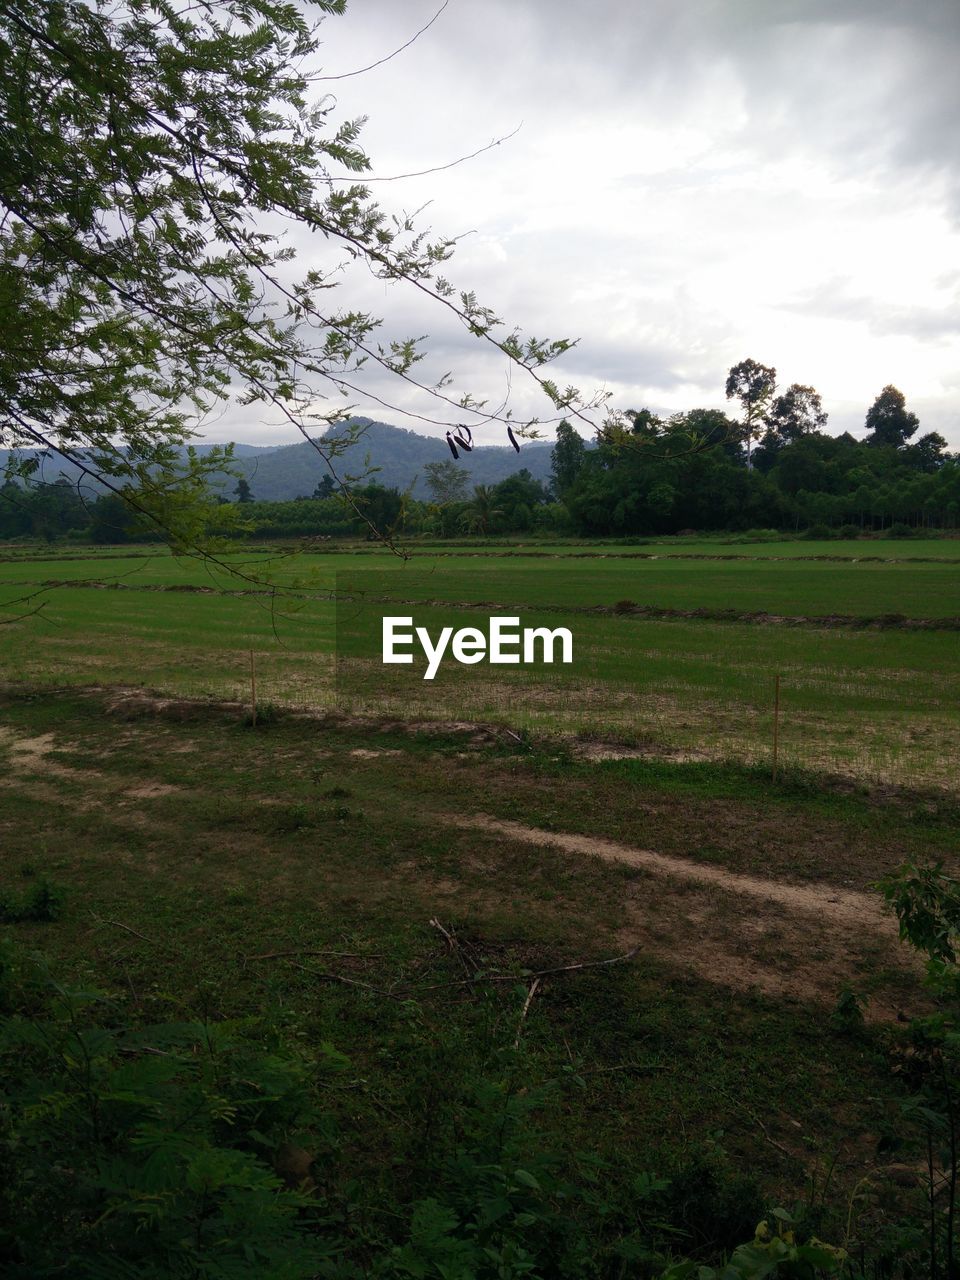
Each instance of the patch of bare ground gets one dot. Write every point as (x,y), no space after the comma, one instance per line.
(801,942)
(29,759)
(29,755)
(151,791)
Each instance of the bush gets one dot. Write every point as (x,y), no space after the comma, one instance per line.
(148,1153)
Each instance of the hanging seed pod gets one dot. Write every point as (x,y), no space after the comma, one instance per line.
(512,438)
(464,435)
(453,447)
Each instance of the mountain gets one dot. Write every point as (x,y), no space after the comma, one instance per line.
(398,457)
(53,468)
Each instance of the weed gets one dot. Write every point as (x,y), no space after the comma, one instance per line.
(268,713)
(293,817)
(847,1015)
(41,903)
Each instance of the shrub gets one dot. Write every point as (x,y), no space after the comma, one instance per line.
(148,1153)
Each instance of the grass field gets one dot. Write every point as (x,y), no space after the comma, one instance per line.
(208,866)
(876,702)
(562,918)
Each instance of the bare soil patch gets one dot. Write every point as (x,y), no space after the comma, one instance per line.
(29,755)
(152,791)
(748,933)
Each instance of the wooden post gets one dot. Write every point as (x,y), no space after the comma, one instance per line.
(776,724)
(253,692)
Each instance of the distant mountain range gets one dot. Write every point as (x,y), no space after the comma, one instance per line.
(279,473)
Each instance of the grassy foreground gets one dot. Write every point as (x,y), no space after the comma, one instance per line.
(373,888)
(537,973)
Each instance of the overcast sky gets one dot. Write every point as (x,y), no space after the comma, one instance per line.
(692,182)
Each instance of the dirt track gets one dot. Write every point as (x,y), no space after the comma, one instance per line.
(797,941)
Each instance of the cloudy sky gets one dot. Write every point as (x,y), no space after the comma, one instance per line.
(690,182)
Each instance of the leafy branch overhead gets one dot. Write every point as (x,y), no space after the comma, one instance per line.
(149,152)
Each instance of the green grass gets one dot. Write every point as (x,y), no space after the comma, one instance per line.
(871,703)
(187,850)
(212,871)
(794,586)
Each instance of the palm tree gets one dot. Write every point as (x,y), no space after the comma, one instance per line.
(481,513)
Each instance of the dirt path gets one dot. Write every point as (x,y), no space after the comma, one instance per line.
(842,906)
(798,941)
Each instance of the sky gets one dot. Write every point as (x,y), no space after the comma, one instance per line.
(686,183)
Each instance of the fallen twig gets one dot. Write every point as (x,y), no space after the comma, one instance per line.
(118,924)
(772,1141)
(453,946)
(525,977)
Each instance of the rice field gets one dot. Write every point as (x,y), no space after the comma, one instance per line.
(873,702)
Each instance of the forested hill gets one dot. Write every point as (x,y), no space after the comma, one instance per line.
(293,471)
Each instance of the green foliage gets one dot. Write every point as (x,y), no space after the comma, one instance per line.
(268,713)
(446,482)
(847,1015)
(41,902)
(144,148)
(495,1217)
(753,385)
(147,1151)
(567,457)
(927,904)
(773,1251)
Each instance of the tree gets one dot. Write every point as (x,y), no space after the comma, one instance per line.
(566,457)
(243,491)
(796,413)
(929,453)
(713,427)
(111,520)
(325,488)
(888,422)
(144,147)
(446,481)
(483,512)
(517,496)
(753,385)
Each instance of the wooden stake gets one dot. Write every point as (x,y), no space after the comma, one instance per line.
(776,724)
(253,690)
